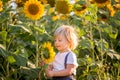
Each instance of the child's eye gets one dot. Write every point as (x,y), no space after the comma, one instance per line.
(55,40)
(60,40)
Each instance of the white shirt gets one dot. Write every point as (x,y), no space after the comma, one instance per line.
(58,63)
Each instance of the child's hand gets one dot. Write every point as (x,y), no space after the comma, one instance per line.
(42,63)
(50,67)
(49,73)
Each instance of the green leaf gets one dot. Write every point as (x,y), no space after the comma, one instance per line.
(3,35)
(85,43)
(40,30)
(113,54)
(11,59)
(114,33)
(21,51)
(91,16)
(4,16)
(18,28)
(3,52)
(88,18)
(82,32)
(89,60)
(30,73)
(20,61)
(102,46)
(82,62)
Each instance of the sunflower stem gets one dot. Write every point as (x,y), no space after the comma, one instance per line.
(37,50)
(8,71)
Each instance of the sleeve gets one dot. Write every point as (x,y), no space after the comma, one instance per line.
(72,59)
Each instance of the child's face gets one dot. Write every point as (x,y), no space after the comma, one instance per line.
(61,43)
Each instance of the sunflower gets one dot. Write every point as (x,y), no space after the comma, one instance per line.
(63,6)
(112,13)
(117,6)
(80,9)
(55,17)
(44,1)
(51,10)
(102,17)
(117,0)
(111,10)
(1,5)
(51,2)
(48,52)
(33,9)
(23,1)
(20,3)
(63,17)
(101,3)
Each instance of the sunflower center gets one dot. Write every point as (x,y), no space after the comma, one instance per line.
(46,54)
(63,7)
(33,9)
(101,1)
(103,16)
(81,8)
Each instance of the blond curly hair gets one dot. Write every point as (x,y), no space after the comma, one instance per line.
(69,33)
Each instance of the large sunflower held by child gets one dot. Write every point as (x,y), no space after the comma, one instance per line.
(48,53)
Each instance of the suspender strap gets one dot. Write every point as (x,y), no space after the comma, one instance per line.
(66,59)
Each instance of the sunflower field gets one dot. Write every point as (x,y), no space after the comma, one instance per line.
(26,37)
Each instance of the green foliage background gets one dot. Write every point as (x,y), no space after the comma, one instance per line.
(21,39)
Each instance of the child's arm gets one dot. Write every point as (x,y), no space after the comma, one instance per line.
(50,67)
(68,71)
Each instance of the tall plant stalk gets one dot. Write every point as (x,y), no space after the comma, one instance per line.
(37,50)
(8,72)
(91,38)
(37,46)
